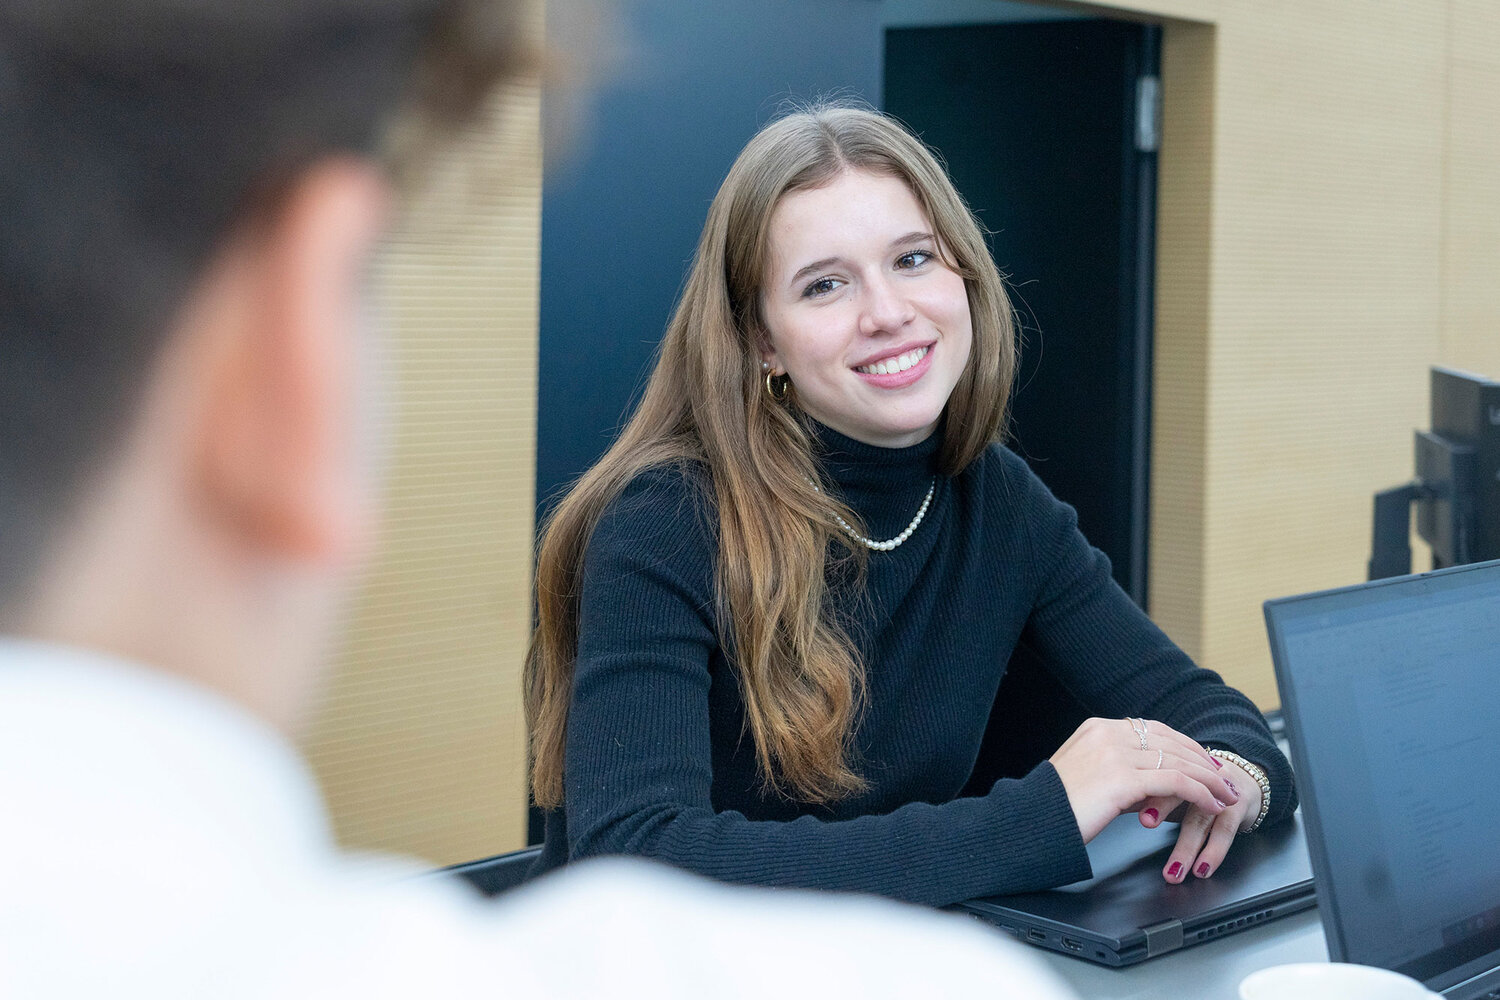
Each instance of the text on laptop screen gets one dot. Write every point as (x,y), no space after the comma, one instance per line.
(1396,690)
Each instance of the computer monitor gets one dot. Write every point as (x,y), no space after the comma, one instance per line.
(1457,486)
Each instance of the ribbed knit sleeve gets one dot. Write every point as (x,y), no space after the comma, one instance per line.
(1114,659)
(641,745)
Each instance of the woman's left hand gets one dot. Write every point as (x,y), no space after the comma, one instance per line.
(1204,839)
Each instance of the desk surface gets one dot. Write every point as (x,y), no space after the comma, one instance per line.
(1209,971)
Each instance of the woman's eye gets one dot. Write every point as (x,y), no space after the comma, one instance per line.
(820,287)
(912,259)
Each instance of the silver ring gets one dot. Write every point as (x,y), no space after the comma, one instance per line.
(1140,731)
(1159,756)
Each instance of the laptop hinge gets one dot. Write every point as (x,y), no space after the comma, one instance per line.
(1163,937)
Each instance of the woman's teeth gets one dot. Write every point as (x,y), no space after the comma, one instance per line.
(897,364)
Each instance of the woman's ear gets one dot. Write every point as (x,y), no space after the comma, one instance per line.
(768,360)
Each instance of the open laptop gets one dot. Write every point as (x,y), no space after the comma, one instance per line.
(1128,913)
(1391,694)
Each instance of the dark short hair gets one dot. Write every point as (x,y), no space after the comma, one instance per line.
(134,135)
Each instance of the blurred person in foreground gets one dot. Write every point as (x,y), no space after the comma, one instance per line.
(189,194)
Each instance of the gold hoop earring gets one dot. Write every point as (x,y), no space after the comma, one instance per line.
(786,387)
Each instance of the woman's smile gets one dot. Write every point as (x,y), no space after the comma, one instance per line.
(895,371)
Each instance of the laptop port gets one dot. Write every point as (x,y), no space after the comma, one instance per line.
(1072,945)
(1037,934)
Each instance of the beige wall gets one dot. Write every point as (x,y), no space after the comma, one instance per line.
(1330,226)
(420,745)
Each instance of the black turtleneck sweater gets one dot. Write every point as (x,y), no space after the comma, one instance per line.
(659,762)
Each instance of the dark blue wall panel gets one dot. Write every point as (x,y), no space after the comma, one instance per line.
(621,214)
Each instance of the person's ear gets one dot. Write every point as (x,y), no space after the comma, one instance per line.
(278,461)
(768,358)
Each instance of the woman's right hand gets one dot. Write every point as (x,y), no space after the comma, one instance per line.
(1106,772)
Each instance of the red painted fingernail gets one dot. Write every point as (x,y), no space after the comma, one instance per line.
(1230,785)
(1203,870)
(1175,870)
(1217,762)
(1153,814)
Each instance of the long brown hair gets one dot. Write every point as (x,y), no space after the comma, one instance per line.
(800,678)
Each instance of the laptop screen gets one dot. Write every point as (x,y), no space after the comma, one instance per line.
(1391,692)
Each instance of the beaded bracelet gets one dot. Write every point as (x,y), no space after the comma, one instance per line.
(1255,771)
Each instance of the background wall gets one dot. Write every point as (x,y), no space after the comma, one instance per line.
(421,743)
(1329,227)
(621,217)
(1330,207)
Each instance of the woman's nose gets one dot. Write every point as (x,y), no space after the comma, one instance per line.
(884,309)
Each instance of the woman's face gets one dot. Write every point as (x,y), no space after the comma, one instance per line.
(861,313)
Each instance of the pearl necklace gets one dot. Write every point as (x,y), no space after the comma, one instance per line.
(891,543)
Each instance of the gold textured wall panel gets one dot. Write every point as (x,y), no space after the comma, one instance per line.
(1470,322)
(1326,295)
(1180,363)
(421,743)
(1350,200)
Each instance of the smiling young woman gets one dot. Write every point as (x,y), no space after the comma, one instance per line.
(774,617)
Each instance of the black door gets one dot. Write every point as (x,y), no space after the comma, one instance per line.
(1039,126)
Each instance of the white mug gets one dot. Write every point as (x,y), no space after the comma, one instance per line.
(1330,981)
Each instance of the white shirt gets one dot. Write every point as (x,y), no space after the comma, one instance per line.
(158,841)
